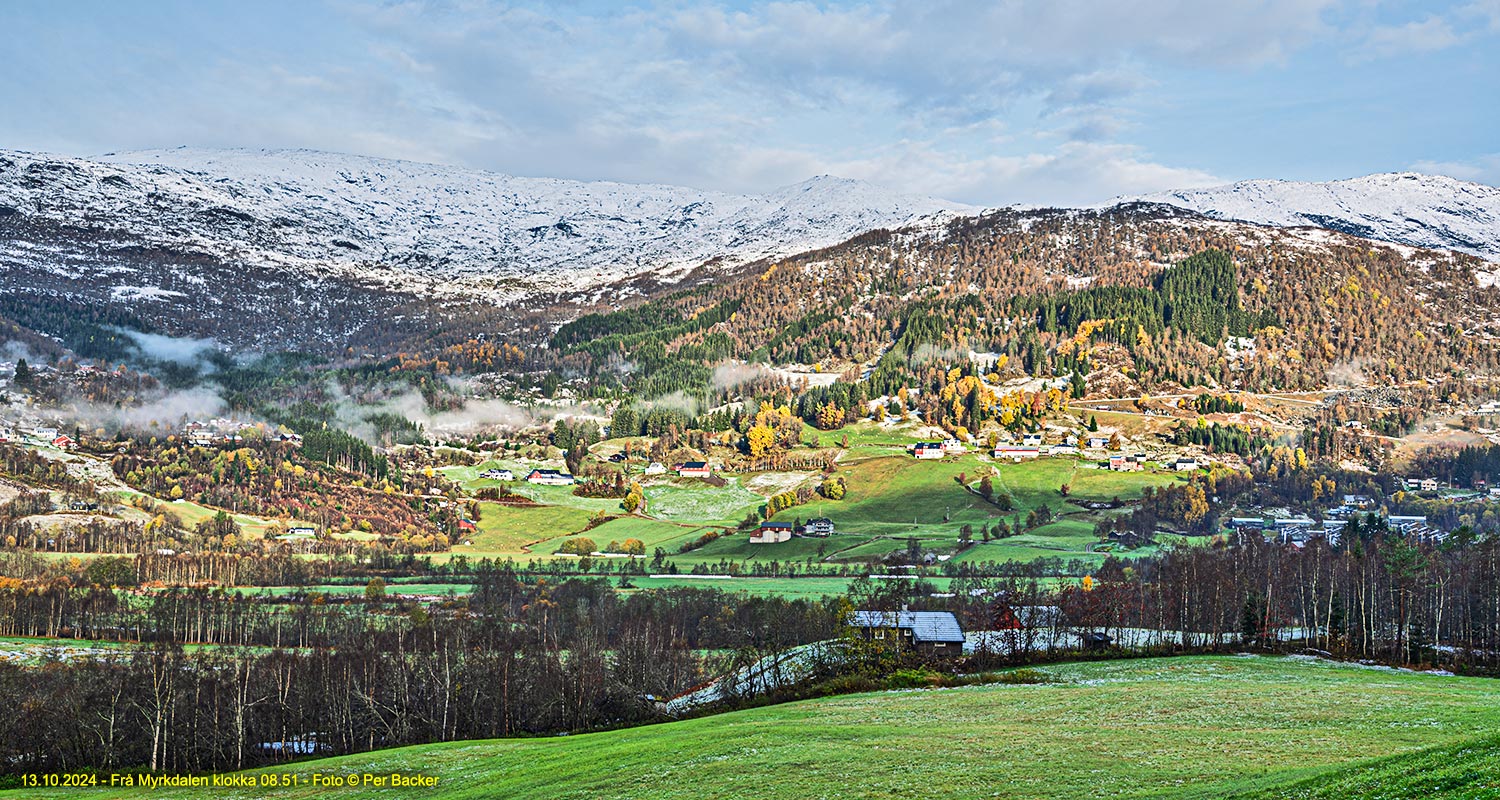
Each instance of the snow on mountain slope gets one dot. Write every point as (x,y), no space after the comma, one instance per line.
(447,229)
(1407,208)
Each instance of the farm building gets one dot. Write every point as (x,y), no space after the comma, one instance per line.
(1032,440)
(1016,453)
(934,633)
(928,450)
(498,475)
(64,442)
(43,435)
(772,533)
(822,526)
(1185,464)
(656,468)
(302,531)
(693,469)
(1123,464)
(1429,484)
(549,477)
(954,446)
(1098,442)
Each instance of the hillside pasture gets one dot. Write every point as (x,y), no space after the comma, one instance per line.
(1192,727)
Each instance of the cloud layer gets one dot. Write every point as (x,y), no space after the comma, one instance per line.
(983,103)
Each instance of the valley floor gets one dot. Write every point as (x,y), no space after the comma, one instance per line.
(1191,727)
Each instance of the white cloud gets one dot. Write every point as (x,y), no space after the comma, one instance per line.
(1425,36)
(1484,169)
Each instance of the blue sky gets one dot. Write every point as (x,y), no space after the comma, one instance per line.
(985,102)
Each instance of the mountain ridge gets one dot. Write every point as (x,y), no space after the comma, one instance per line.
(1409,208)
(491,233)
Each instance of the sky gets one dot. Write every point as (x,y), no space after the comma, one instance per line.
(987,103)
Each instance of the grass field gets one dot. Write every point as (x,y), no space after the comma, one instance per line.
(793,588)
(392,589)
(1198,727)
(653,533)
(507,530)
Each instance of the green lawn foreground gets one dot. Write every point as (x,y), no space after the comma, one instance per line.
(1181,727)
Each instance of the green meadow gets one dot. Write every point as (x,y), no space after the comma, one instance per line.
(1192,727)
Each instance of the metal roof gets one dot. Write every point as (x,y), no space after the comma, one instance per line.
(925,626)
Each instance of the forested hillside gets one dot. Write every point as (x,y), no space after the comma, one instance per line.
(1127,301)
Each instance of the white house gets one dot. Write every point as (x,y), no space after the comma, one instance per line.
(1016,452)
(1185,464)
(1429,484)
(1098,442)
(1032,439)
(656,468)
(498,475)
(954,446)
(822,526)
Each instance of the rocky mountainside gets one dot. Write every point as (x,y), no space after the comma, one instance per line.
(1429,211)
(431,228)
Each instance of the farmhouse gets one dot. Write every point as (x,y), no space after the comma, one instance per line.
(302,531)
(43,435)
(498,475)
(693,469)
(928,450)
(1429,484)
(64,442)
(1062,450)
(1123,464)
(1016,452)
(549,477)
(1098,442)
(822,526)
(772,533)
(1185,464)
(656,468)
(1359,501)
(1032,440)
(954,446)
(935,633)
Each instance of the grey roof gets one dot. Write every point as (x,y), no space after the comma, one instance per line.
(925,626)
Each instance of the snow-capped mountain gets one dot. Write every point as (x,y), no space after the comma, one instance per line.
(1407,208)
(446,229)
